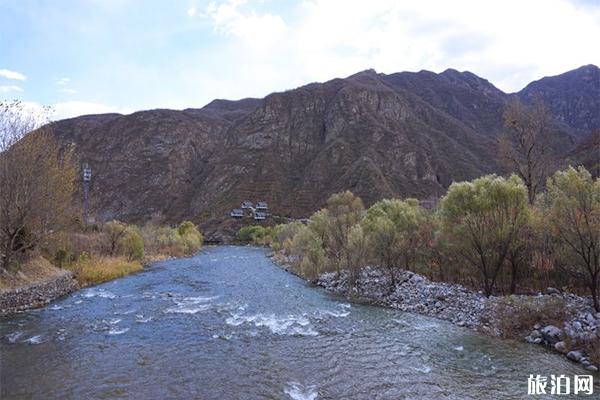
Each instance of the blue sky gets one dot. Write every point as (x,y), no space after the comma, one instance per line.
(92,56)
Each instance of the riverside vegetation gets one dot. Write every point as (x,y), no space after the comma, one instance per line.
(40,217)
(117,249)
(485,235)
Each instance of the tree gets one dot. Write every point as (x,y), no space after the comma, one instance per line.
(131,244)
(344,210)
(485,219)
(307,251)
(358,251)
(573,208)
(115,230)
(393,228)
(37,183)
(523,146)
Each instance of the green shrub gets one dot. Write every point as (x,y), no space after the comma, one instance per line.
(190,237)
(131,245)
(115,230)
(173,242)
(62,257)
(255,234)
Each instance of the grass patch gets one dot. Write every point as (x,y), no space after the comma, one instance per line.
(518,314)
(92,270)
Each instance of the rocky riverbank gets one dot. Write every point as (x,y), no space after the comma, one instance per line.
(37,294)
(561,321)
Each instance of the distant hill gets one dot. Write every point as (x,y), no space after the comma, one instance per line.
(403,134)
(573,97)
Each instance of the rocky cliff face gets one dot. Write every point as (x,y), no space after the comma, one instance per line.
(573,97)
(405,134)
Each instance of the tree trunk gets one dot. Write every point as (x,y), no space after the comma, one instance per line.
(594,292)
(6,259)
(513,276)
(392,277)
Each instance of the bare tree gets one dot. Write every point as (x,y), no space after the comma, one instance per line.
(37,181)
(523,148)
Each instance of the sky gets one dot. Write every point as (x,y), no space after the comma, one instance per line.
(94,56)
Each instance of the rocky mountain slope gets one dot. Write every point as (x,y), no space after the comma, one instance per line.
(403,134)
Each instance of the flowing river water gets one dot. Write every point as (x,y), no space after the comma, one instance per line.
(228,324)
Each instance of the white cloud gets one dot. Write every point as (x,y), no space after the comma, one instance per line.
(63,81)
(68,91)
(509,42)
(260,31)
(191,11)
(10,88)
(8,74)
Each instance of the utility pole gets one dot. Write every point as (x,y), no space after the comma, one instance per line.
(87,177)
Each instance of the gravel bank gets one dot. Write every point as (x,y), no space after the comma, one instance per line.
(37,294)
(464,307)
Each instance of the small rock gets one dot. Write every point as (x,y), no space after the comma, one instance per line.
(537,326)
(535,334)
(561,347)
(552,290)
(574,355)
(552,334)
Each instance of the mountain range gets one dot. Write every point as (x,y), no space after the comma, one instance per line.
(379,135)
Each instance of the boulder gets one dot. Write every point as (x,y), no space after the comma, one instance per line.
(552,290)
(575,355)
(551,334)
(561,347)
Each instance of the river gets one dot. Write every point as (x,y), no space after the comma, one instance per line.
(228,324)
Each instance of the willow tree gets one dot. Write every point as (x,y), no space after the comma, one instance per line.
(37,181)
(573,210)
(394,230)
(485,219)
(343,211)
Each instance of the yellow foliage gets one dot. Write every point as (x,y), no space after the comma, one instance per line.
(92,270)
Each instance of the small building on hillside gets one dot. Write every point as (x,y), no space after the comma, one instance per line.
(237,213)
(247,204)
(259,215)
(262,205)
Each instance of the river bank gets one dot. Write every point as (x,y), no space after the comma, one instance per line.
(39,283)
(560,321)
(37,294)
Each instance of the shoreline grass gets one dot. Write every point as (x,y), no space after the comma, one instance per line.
(94,270)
